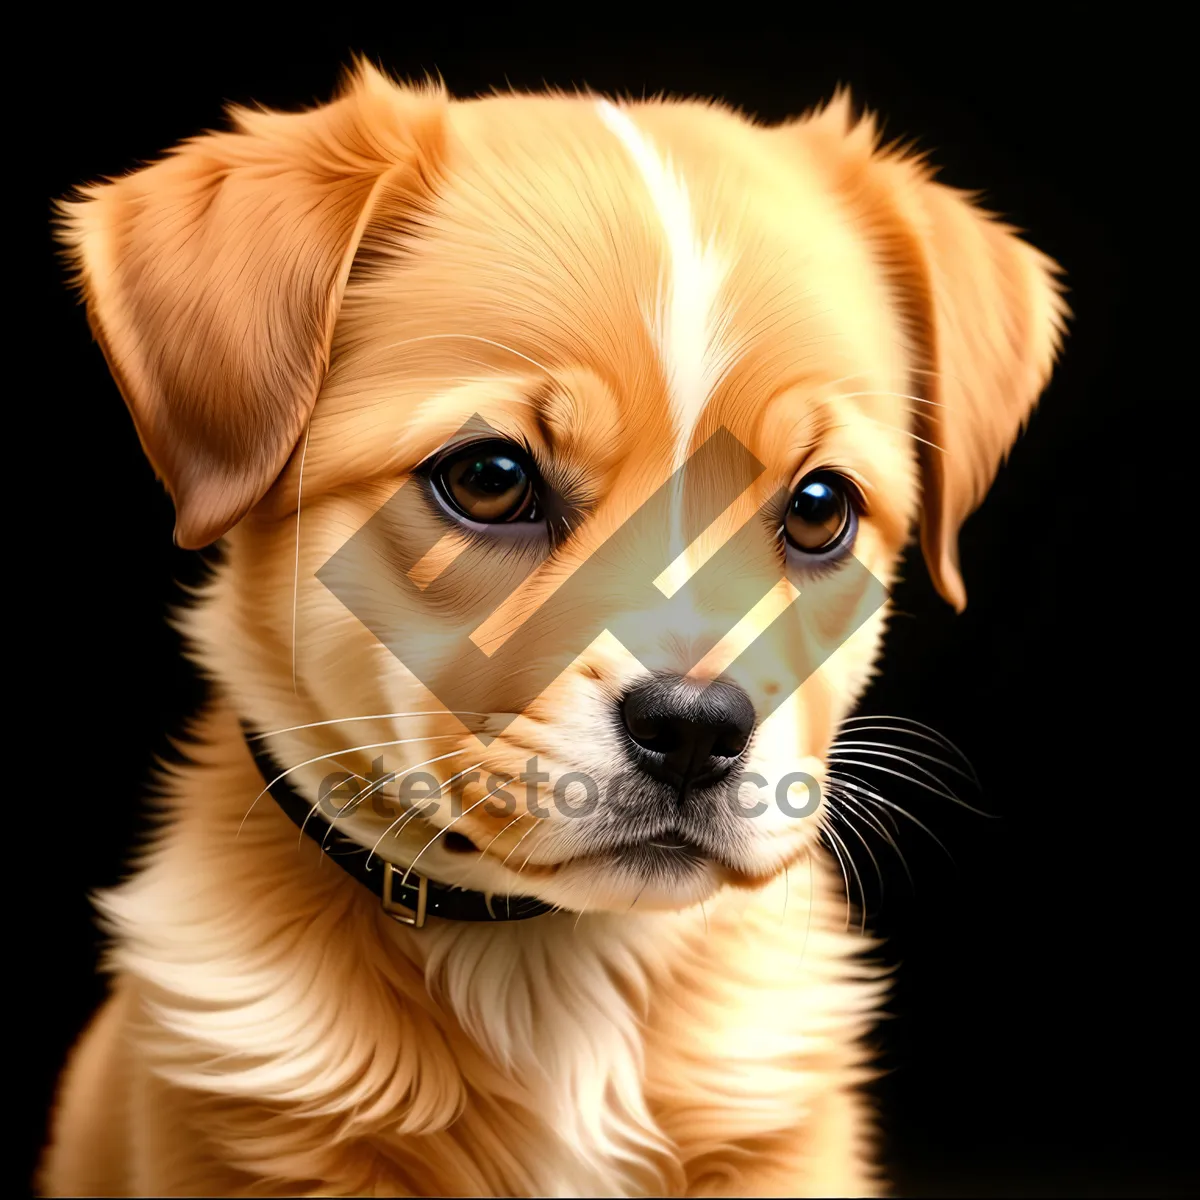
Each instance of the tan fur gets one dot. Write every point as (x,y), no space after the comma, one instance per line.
(321,299)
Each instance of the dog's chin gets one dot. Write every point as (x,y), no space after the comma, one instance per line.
(647,876)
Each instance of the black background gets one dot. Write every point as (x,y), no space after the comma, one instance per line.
(1041,1039)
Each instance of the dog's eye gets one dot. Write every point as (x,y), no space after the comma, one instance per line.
(491,483)
(821,516)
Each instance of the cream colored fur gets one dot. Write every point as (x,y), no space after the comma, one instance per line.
(297,313)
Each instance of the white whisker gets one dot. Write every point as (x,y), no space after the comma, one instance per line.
(898,429)
(456,820)
(296,574)
(885,748)
(356,800)
(447,829)
(811,896)
(932,736)
(588,899)
(470,337)
(495,837)
(441,712)
(883,814)
(407,816)
(517,874)
(332,820)
(834,842)
(897,395)
(308,762)
(946,795)
(896,807)
(396,827)
(341,812)
(844,817)
(929,729)
(916,437)
(867,815)
(962,383)
(504,860)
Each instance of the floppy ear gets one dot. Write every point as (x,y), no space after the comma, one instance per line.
(214,276)
(984,314)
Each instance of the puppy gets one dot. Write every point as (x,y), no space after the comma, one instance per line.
(561,451)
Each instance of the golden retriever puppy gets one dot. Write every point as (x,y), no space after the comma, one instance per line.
(562,451)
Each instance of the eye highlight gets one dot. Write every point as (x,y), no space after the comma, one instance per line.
(490,483)
(821,518)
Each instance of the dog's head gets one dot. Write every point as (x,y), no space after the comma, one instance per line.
(561,442)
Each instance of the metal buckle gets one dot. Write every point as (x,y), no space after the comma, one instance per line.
(400,912)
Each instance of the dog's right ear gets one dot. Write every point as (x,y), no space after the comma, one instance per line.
(214,276)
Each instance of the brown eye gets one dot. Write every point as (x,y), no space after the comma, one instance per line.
(820,515)
(491,484)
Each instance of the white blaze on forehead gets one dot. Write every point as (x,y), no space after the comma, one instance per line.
(683,319)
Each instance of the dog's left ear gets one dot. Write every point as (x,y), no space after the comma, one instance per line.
(984,315)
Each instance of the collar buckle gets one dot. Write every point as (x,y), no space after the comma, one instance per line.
(401,912)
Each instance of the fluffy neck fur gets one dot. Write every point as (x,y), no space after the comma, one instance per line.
(308,1043)
(322,1046)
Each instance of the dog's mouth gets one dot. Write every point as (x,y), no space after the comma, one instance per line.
(673,854)
(658,867)
(665,855)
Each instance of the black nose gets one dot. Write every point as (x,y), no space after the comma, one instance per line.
(687,734)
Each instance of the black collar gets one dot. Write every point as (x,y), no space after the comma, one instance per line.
(406,896)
